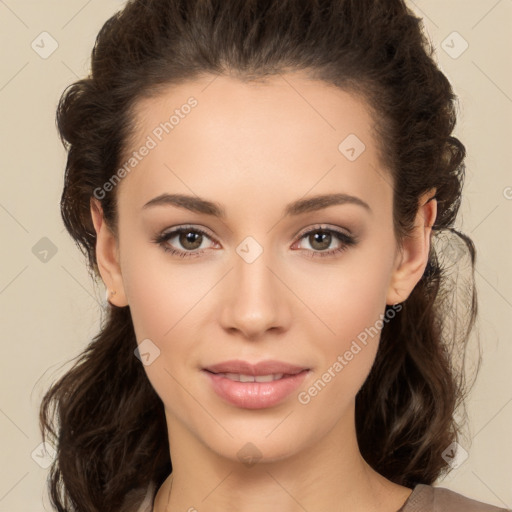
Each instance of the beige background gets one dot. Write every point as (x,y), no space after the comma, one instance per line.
(50,309)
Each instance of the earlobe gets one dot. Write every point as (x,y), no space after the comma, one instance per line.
(412,258)
(107,257)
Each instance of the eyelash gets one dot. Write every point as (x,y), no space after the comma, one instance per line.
(346,240)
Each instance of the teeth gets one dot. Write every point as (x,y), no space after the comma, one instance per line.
(252,378)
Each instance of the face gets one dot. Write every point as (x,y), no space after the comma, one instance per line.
(275,277)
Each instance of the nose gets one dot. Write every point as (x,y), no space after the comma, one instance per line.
(255,300)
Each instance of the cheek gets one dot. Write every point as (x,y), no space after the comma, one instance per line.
(167,300)
(350,302)
(346,298)
(163,302)
(160,292)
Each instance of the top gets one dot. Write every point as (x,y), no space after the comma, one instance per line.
(424,498)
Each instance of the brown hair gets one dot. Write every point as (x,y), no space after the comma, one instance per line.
(103,416)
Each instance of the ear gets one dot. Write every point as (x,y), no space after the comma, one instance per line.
(107,256)
(412,257)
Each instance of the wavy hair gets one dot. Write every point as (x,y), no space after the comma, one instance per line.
(103,417)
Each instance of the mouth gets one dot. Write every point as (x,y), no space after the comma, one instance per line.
(240,377)
(255,386)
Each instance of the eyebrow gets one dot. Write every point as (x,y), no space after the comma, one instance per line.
(200,205)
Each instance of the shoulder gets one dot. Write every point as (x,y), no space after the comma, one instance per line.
(426,498)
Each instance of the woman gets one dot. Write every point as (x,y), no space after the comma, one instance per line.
(260,185)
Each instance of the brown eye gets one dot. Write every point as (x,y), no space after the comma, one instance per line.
(184,241)
(190,240)
(320,240)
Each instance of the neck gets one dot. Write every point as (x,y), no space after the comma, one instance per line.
(327,475)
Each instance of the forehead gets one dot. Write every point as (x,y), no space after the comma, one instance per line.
(287,131)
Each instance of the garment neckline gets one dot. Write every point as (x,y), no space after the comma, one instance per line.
(415,491)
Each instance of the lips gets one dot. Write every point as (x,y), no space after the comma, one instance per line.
(255,386)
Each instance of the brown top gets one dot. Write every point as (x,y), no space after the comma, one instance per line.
(424,498)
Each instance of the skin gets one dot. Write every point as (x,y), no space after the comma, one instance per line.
(254,148)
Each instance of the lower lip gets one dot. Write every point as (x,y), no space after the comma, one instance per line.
(255,395)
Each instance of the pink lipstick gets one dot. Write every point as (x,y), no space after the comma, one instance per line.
(255,386)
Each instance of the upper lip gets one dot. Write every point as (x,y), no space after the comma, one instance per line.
(262,368)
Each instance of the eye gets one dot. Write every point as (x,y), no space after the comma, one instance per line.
(190,238)
(321,238)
